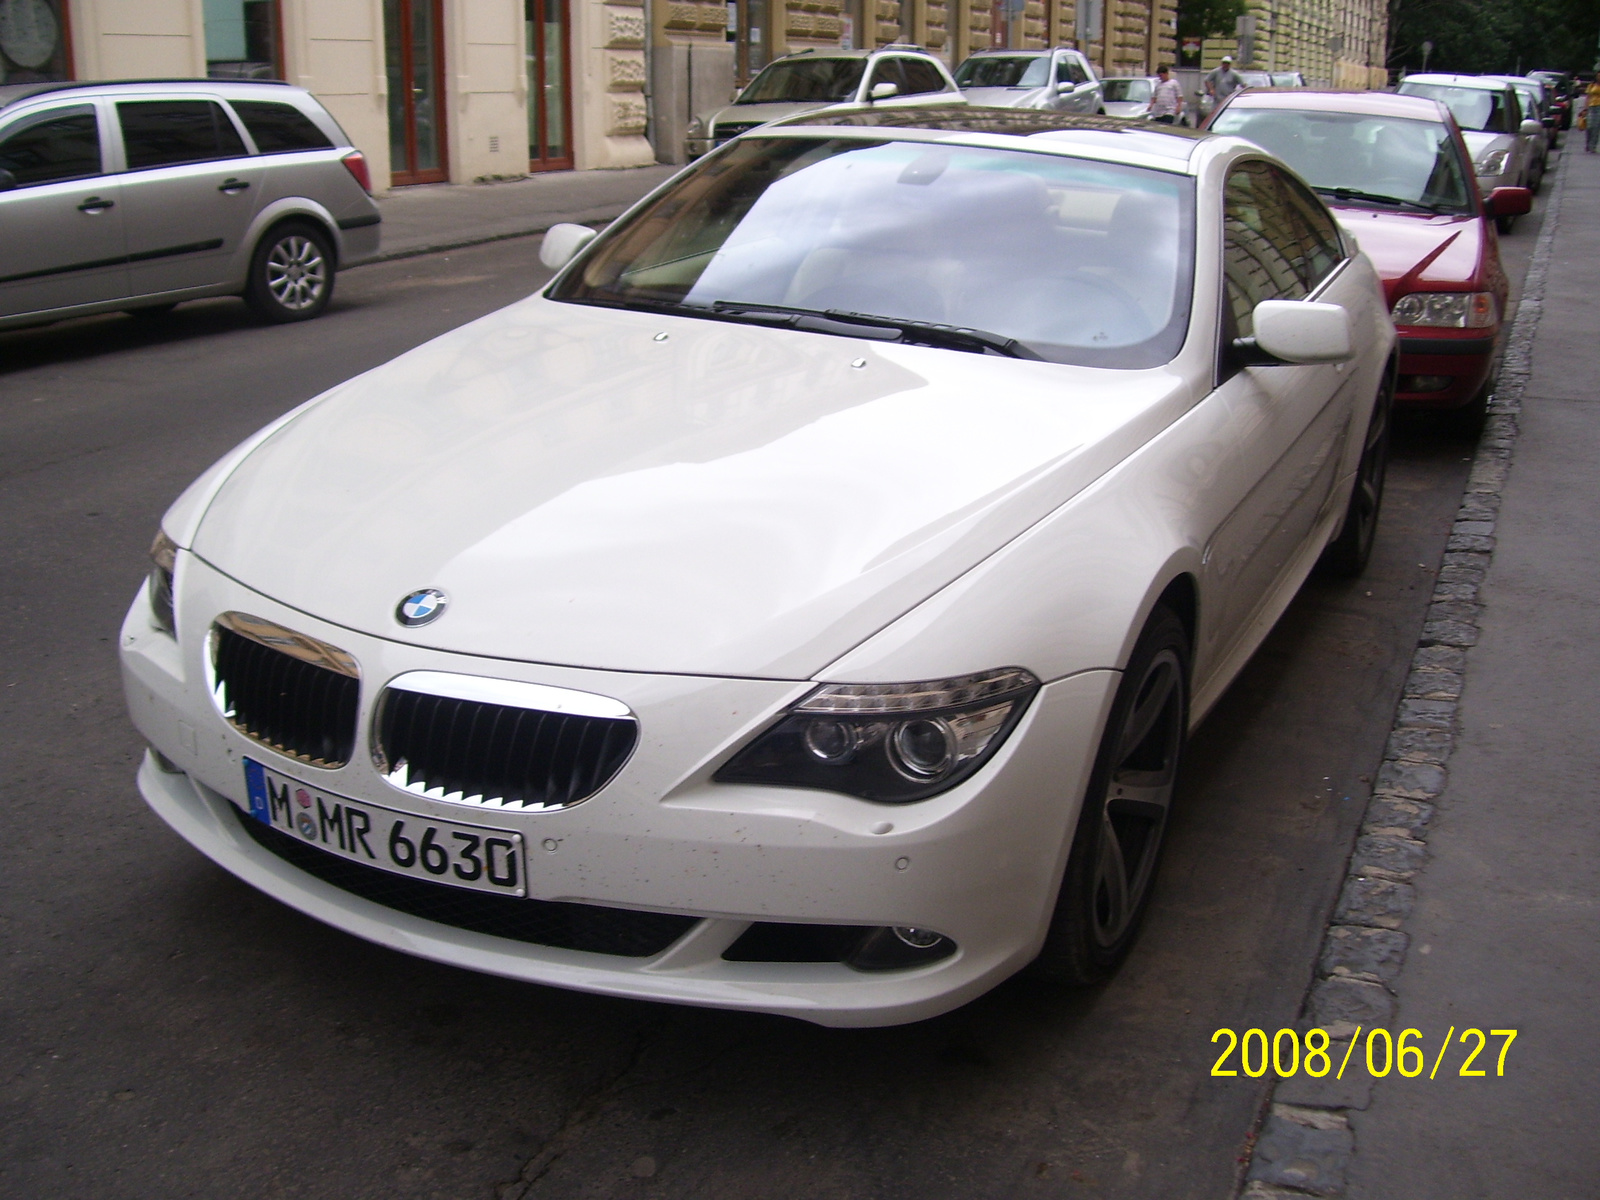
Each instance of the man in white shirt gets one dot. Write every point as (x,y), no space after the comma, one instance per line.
(1166,105)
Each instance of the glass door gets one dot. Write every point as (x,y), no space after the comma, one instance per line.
(549,107)
(414,46)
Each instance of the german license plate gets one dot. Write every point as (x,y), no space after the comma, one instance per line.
(464,856)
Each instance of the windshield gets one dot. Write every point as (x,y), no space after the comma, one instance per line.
(805,81)
(1292,79)
(1412,161)
(1256,79)
(1473,108)
(1031,71)
(1128,91)
(1078,261)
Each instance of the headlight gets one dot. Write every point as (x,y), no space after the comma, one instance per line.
(697,127)
(890,742)
(1493,163)
(163,557)
(1457,310)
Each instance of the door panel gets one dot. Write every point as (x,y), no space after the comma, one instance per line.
(189,193)
(63,241)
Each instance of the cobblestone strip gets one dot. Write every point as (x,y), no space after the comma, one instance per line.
(1304,1144)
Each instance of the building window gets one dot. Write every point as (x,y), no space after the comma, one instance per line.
(34,42)
(243,39)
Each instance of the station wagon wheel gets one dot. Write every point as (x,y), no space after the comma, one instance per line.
(1112,865)
(1348,553)
(291,274)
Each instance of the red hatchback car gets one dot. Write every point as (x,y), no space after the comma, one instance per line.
(1397,174)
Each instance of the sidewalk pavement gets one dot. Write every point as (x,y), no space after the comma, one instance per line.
(444,216)
(1473,901)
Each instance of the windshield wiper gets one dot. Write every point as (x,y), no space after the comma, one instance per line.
(1345,193)
(850,324)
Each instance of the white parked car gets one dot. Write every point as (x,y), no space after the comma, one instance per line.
(801,604)
(1059,80)
(1503,145)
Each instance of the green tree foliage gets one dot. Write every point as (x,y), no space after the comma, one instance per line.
(1494,36)
(1208,18)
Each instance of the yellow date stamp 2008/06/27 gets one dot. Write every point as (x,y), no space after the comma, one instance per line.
(1286,1053)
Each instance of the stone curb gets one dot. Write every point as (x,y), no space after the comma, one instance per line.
(1303,1143)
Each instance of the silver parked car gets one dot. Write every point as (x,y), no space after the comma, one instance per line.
(897,75)
(1058,80)
(1129,97)
(138,196)
(1490,115)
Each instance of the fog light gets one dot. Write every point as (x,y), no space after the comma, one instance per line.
(900,947)
(919,939)
(1426,383)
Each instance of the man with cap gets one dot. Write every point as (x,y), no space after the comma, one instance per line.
(1223,82)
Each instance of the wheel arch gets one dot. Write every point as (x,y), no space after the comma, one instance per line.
(282,212)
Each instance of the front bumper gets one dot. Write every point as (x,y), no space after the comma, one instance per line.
(1444,368)
(979,864)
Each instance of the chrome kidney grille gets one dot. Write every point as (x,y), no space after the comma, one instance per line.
(499,744)
(289,692)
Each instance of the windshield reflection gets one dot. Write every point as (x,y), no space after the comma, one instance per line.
(1080,261)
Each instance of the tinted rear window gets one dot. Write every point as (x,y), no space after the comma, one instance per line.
(280,128)
(163,133)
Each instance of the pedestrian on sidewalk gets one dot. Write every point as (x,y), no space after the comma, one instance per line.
(1166,105)
(1589,117)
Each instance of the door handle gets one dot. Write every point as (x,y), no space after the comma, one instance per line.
(94,205)
(228,187)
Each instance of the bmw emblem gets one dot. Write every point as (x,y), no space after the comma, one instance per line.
(420,607)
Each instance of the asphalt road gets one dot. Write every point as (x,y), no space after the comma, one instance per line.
(168,1032)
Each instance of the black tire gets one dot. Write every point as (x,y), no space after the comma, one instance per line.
(1468,420)
(1348,554)
(291,273)
(1117,846)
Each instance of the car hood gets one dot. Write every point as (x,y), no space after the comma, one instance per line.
(726,500)
(758,114)
(1480,143)
(1005,97)
(1419,249)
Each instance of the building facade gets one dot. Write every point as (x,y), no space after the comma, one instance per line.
(434,90)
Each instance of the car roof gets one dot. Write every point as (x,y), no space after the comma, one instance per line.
(15,93)
(892,48)
(1479,82)
(1375,104)
(1112,139)
(1032,52)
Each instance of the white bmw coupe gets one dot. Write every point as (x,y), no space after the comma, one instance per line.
(801,604)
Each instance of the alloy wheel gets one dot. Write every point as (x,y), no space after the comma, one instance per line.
(296,272)
(1144,767)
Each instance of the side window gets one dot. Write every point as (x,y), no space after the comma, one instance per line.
(1075,71)
(280,128)
(63,143)
(163,133)
(1321,247)
(921,77)
(889,70)
(1258,245)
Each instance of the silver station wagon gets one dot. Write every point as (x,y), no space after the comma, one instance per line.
(140,195)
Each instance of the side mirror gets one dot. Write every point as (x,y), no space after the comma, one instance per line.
(1508,202)
(883,90)
(1063,88)
(562,243)
(1303,331)
(1531,128)
(7,180)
